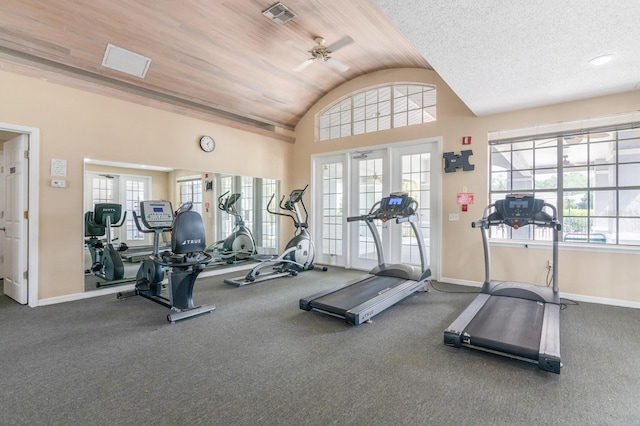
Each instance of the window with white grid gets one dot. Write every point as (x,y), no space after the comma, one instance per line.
(592,177)
(191,191)
(378,108)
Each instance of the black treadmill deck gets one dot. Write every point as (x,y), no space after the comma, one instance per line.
(346,298)
(508,325)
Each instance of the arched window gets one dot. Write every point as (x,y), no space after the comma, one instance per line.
(379,108)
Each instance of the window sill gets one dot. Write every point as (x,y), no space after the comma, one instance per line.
(564,246)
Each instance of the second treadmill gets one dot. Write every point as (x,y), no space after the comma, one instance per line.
(387,284)
(514,319)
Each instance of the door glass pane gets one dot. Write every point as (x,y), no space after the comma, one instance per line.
(134,193)
(269,221)
(370,190)
(332,182)
(246,201)
(226,224)
(416,180)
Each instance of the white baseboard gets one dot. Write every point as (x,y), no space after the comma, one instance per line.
(130,287)
(572,296)
(600,300)
(460,282)
(85,295)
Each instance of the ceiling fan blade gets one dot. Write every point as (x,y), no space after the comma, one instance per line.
(339,44)
(303,65)
(337,65)
(298,45)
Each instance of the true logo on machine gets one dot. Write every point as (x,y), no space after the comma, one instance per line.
(185,242)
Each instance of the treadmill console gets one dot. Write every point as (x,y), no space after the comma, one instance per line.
(156,214)
(520,210)
(397,204)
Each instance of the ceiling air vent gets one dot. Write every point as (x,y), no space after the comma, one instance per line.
(125,61)
(279,13)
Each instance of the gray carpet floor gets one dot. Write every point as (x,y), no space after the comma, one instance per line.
(259,360)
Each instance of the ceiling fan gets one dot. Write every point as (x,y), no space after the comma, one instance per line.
(323,52)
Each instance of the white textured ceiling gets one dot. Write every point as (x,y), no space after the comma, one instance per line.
(506,55)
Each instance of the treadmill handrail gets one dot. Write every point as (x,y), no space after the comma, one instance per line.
(414,221)
(550,222)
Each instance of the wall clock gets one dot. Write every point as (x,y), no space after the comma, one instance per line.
(207,144)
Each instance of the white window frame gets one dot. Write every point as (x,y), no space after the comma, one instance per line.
(378,108)
(562,132)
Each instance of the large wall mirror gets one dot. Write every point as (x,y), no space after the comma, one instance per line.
(211,194)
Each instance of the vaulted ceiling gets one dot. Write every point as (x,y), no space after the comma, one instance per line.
(223,58)
(226,61)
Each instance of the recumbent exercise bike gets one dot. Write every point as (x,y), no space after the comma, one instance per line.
(106,262)
(185,261)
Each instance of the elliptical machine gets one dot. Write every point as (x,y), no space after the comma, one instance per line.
(185,261)
(240,244)
(106,262)
(299,253)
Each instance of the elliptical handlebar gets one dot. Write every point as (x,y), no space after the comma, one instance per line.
(221,203)
(290,206)
(183,208)
(228,204)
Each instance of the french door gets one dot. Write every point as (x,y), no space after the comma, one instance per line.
(369,183)
(349,184)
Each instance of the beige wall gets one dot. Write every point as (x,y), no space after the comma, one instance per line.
(609,275)
(77,124)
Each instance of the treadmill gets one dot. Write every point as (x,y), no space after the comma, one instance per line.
(387,284)
(514,319)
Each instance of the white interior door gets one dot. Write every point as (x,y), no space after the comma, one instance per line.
(16,175)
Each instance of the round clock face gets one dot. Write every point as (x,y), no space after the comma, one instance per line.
(207,143)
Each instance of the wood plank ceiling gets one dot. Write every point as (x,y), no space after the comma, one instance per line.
(219,60)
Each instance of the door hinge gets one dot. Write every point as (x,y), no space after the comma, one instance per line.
(26,154)
(25,275)
(26,214)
